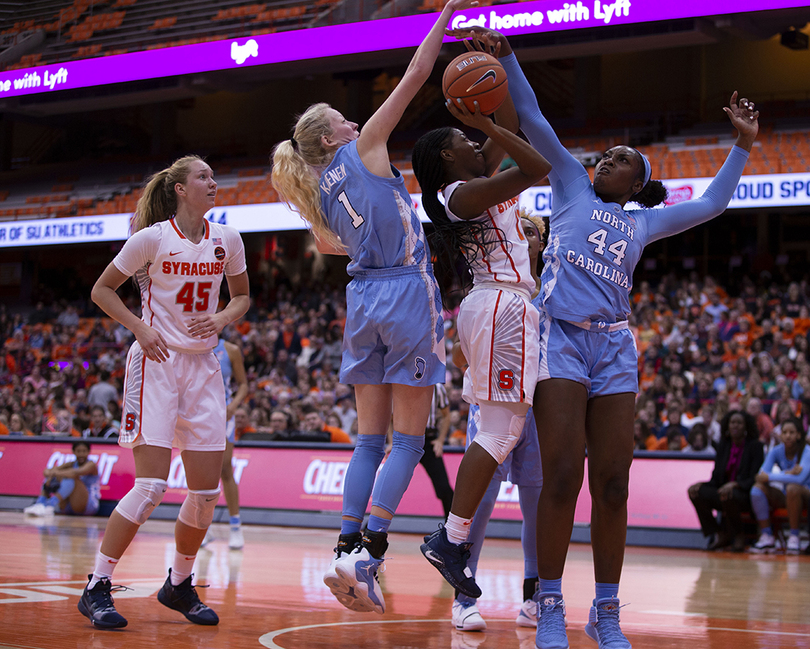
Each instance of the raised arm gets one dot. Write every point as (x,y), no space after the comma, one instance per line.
(672,220)
(565,167)
(372,145)
(478,194)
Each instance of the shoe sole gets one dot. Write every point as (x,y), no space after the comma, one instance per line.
(349,592)
(475,626)
(526,622)
(215,622)
(440,566)
(84,611)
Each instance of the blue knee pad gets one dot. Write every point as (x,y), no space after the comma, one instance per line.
(66,487)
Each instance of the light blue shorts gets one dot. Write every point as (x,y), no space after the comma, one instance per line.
(605,362)
(522,466)
(394,328)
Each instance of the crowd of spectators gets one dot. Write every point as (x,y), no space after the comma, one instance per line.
(702,352)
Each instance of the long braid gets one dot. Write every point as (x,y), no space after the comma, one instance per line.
(455,245)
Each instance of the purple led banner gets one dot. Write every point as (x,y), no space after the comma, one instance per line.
(369,36)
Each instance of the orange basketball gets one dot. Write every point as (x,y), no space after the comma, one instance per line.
(476,76)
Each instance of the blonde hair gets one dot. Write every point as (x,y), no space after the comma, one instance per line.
(538,221)
(158,201)
(293,177)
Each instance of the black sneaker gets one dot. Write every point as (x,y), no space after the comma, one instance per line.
(451,560)
(97,605)
(184,598)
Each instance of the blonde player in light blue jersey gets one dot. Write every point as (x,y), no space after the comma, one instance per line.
(342,183)
(588,374)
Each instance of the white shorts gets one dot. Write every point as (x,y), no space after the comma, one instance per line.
(177,403)
(498,330)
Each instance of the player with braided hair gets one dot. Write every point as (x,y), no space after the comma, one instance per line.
(479,228)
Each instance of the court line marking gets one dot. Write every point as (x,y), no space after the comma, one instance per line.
(46,584)
(268,639)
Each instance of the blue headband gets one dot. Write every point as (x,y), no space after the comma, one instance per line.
(647,169)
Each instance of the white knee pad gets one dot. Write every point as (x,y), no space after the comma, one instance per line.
(197,509)
(500,444)
(142,499)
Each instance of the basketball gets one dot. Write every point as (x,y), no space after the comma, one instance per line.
(476,76)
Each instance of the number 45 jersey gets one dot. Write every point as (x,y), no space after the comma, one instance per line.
(373,216)
(179,279)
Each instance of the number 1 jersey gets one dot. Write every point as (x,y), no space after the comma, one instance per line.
(179,279)
(373,216)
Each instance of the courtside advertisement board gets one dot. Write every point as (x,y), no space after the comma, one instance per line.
(298,479)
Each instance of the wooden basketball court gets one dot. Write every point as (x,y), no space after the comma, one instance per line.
(271,595)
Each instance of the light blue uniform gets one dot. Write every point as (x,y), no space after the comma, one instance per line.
(394,328)
(777,457)
(592,252)
(91,482)
(227,372)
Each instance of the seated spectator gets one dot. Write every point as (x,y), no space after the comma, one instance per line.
(3,423)
(281,423)
(99,426)
(738,459)
(59,423)
(71,488)
(673,439)
(314,423)
(787,487)
(241,421)
(764,422)
(698,441)
(642,433)
(102,392)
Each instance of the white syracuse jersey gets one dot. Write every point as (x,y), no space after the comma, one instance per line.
(504,256)
(179,279)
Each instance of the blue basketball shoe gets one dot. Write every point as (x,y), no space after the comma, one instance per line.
(451,560)
(550,621)
(603,624)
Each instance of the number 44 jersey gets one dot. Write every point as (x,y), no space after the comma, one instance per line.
(179,279)
(373,215)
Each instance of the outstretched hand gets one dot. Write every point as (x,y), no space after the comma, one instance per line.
(460,5)
(745,119)
(482,39)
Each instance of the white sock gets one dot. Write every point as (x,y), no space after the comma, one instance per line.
(458,529)
(104,568)
(182,567)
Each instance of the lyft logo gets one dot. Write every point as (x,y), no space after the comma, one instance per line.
(241,53)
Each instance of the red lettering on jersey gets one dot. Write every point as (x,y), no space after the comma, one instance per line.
(193,270)
(176,267)
(184,268)
(167,268)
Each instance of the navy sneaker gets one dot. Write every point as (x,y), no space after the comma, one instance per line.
(96,604)
(184,598)
(451,560)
